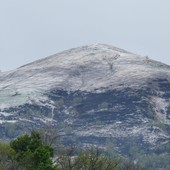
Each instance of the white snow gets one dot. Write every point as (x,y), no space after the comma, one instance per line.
(85,68)
(5,114)
(7,121)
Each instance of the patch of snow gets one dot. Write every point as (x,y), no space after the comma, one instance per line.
(5,114)
(7,121)
(118,130)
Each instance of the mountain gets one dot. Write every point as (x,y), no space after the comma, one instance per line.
(96,94)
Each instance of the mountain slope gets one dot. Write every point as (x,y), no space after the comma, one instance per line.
(86,68)
(96,94)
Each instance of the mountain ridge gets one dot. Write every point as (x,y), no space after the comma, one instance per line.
(77,68)
(96,94)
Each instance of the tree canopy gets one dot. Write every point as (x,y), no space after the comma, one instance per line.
(31,153)
(35,152)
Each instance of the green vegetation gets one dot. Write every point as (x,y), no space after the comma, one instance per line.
(90,159)
(7,157)
(31,154)
(36,152)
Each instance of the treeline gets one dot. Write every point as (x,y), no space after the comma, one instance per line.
(42,150)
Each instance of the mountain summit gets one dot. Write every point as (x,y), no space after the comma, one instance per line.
(93,94)
(86,68)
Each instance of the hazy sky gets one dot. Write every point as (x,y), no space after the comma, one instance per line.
(33,29)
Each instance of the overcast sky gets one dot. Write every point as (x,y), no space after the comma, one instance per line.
(34,29)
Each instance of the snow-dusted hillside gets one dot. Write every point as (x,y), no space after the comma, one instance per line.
(95,93)
(86,68)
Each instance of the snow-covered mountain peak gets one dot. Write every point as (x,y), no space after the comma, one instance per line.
(82,54)
(87,68)
(96,93)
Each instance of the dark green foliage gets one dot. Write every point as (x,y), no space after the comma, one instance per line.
(31,154)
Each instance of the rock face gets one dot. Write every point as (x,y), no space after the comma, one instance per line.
(96,94)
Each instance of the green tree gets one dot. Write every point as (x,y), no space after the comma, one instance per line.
(31,154)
